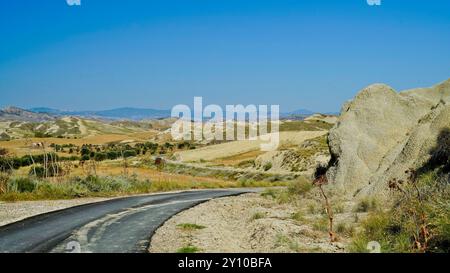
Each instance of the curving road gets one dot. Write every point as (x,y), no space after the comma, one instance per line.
(122,225)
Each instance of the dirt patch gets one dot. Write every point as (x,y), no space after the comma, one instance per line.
(245,224)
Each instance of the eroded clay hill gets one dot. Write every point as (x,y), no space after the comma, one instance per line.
(382,133)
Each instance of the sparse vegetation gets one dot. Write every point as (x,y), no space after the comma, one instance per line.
(258,215)
(246,164)
(188,249)
(267,166)
(4,178)
(345,229)
(304,126)
(298,216)
(321,224)
(270,193)
(27,188)
(300,187)
(366,205)
(293,192)
(418,221)
(190,227)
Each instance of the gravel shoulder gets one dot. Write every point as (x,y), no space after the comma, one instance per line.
(248,223)
(13,212)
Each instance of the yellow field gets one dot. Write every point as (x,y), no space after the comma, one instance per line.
(236,159)
(22,147)
(231,149)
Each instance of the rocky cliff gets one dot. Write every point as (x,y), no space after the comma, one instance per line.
(382,133)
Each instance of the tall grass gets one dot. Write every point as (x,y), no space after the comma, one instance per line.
(32,188)
(418,222)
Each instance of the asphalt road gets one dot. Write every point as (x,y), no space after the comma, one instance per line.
(122,225)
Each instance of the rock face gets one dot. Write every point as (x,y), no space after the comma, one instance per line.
(381,134)
(291,161)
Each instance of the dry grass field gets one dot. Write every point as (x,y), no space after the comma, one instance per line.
(230,149)
(20,147)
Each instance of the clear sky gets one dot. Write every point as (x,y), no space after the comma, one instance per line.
(313,54)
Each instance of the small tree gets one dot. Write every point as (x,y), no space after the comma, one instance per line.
(100,156)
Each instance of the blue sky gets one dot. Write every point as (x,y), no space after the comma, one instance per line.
(313,54)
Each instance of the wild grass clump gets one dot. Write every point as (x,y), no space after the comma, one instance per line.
(188,249)
(380,227)
(418,222)
(273,193)
(366,205)
(4,178)
(321,224)
(267,166)
(31,188)
(294,190)
(298,216)
(300,187)
(190,227)
(345,229)
(246,164)
(21,185)
(258,215)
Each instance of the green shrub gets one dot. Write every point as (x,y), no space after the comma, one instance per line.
(258,215)
(345,229)
(97,184)
(21,185)
(382,228)
(39,170)
(129,153)
(300,186)
(190,227)
(267,166)
(188,249)
(246,164)
(366,205)
(41,135)
(298,216)
(112,155)
(270,193)
(284,197)
(100,156)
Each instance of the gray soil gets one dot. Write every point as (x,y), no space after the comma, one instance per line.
(248,223)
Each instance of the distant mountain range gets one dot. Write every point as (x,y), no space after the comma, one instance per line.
(127,113)
(40,114)
(140,113)
(297,114)
(17,114)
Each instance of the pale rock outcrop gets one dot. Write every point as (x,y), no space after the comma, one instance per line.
(381,134)
(291,161)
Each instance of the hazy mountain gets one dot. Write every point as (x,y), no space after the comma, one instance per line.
(119,113)
(301,112)
(297,114)
(125,113)
(17,114)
